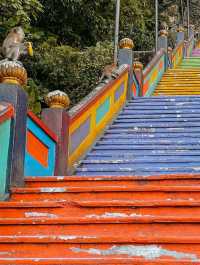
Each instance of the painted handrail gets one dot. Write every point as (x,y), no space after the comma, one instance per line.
(91,116)
(189,45)
(40,148)
(197,44)
(136,86)
(178,54)
(6,115)
(153,72)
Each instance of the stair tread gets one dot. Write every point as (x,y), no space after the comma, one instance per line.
(84,215)
(103,233)
(56,254)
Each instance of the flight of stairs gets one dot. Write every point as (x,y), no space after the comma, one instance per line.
(183,80)
(135,198)
(107,220)
(151,136)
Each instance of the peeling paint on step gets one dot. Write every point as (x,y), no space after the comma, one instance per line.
(53,190)
(150,252)
(6,253)
(115,215)
(37,214)
(72,237)
(60,178)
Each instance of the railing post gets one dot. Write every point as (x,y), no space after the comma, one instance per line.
(180,35)
(57,119)
(163,44)
(163,40)
(169,53)
(126,57)
(12,77)
(138,69)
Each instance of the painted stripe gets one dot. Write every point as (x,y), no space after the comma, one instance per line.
(43,126)
(102,110)
(119,91)
(33,167)
(6,112)
(154,76)
(5,129)
(37,149)
(79,135)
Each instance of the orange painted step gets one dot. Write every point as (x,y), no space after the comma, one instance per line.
(105,199)
(142,186)
(95,179)
(33,204)
(107,254)
(81,215)
(115,184)
(102,233)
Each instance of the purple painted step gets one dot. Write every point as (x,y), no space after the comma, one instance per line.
(151,136)
(196,53)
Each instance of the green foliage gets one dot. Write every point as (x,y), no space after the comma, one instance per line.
(68,69)
(34,97)
(73,39)
(84,23)
(18,12)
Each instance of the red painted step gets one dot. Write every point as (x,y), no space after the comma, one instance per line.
(106,215)
(102,233)
(107,254)
(103,220)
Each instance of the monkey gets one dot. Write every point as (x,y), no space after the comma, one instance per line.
(108,72)
(13,45)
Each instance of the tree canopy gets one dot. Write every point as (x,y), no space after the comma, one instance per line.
(73,39)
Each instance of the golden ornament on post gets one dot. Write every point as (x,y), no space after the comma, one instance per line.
(12,72)
(126,43)
(137,65)
(180,29)
(163,32)
(57,99)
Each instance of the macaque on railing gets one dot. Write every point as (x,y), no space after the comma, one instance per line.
(108,72)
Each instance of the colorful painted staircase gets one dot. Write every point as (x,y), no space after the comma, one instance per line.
(107,220)
(183,80)
(151,136)
(135,198)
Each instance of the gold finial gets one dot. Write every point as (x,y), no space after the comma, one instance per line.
(180,29)
(12,72)
(137,65)
(163,32)
(126,43)
(57,99)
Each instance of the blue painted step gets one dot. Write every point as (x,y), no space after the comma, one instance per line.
(150,136)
